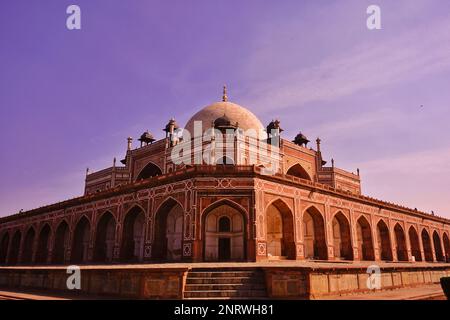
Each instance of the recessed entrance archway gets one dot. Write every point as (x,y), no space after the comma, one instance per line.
(400,243)
(298,171)
(4,248)
(314,235)
(27,253)
(133,235)
(168,239)
(150,170)
(224,233)
(384,241)
(80,241)
(426,243)
(104,238)
(43,242)
(438,247)
(280,230)
(341,237)
(13,257)
(61,243)
(415,244)
(364,239)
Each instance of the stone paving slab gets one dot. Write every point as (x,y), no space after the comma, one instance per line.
(46,295)
(426,292)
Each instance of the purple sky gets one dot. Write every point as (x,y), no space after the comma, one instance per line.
(69,99)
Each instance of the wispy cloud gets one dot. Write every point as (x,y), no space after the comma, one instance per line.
(371,64)
(428,162)
(360,123)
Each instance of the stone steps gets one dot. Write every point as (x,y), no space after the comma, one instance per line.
(222,280)
(225,284)
(234,286)
(217,274)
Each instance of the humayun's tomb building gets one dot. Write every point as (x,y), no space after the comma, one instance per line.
(221,195)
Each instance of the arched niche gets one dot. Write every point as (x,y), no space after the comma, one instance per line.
(280,230)
(168,235)
(224,234)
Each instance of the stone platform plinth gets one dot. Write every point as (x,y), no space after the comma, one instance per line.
(125,282)
(283,279)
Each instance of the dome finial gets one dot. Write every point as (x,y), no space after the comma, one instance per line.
(224,96)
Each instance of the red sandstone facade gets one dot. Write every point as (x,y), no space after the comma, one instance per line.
(152,209)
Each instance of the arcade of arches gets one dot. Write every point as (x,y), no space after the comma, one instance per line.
(224,236)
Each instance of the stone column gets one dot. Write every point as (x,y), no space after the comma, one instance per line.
(51,241)
(408,242)
(148,234)
(393,241)
(441,239)
(374,231)
(117,238)
(8,249)
(22,243)
(299,252)
(433,249)
(328,233)
(196,249)
(35,247)
(251,238)
(68,247)
(258,226)
(419,235)
(354,236)
(92,234)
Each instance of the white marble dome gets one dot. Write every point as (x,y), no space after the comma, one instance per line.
(234,112)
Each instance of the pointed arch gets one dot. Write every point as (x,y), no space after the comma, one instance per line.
(225,161)
(426,243)
(298,171)
(43,244)
(446,241)
(27,252)
(364,239)
(4,243)
(14,248)
(61,242)
(384,241)
(341,237)
(133,233)
(151,169)
(224,245)
(105,237)
(415,244)
(437,247)
(168,199)
(168,227)
(314,234)
(400,243)
(280,230)
(80,242)
(225,201)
